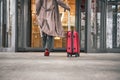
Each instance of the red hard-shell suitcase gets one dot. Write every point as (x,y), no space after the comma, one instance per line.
(76,44)
(73,46)
(69,42)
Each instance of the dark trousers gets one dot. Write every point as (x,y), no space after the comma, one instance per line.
(47,41)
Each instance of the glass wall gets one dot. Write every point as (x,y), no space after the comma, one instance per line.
(36,39)
(113,24)
(90,24)
(98,21)
(5,30)
(8,27)
(83,23)
(59,43)
(96,24)
(118,26)
(105,27)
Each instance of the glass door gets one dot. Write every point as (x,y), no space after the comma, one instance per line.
(36,39)
(96,24)
(92,20)
(29,35)
(82,24)
(113,25)
(97,28)
(89,24)
(59,43)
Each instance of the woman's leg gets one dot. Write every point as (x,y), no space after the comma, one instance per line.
(49,43)
(44,39)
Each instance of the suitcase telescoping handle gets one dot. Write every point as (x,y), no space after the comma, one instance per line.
(69,29)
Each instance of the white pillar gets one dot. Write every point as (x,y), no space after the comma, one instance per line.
(12,23)
(8,23)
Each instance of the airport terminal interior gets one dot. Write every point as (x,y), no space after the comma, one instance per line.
(95,25)
(96,21)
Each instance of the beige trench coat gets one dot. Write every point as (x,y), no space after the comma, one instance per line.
(48,16)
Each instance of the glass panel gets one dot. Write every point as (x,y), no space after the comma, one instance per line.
(3,24)
(95,24)
(36,40)
(109,26)
(98,23)
(82,30)
(113,26)
(118,27)
(83,18)
(61,42)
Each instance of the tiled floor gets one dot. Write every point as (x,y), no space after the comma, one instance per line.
(34,66)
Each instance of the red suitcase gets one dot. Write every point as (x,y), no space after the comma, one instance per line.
(73,45)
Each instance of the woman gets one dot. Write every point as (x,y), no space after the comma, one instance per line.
(47,12)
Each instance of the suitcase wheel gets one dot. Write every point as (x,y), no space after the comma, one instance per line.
(77,55)
(69,55)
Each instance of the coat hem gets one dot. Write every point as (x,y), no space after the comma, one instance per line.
(53,35)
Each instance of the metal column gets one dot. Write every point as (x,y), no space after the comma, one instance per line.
(103,26)
(114,33)
(13,24)
(88,27)
(1,21)
(78,18)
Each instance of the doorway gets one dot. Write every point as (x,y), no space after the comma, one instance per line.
(59,43)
